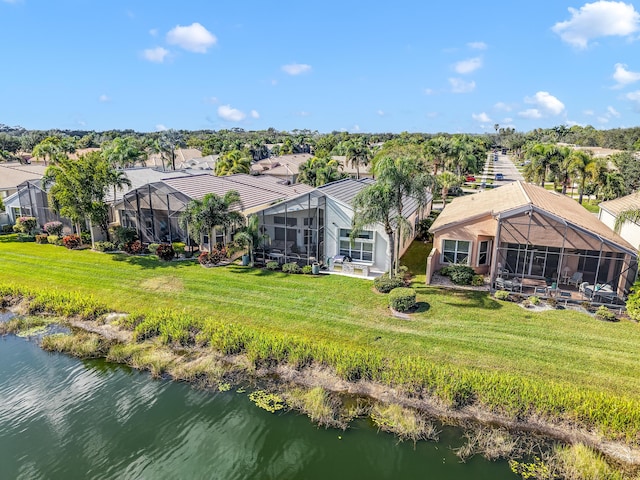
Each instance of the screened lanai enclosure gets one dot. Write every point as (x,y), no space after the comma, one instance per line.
(536,245)
(34,202)
(294,230)
(154,211)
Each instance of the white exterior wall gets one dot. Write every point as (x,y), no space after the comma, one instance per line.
(630,231)
(340,216)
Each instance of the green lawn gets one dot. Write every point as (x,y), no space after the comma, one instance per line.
(460,328)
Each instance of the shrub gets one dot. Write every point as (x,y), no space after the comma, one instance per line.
(203,258)
(71,241)
(587,306)
(104,246)
(552,302)
(42,239)
(402,299)
(501,295)
(307,269)
(444,271)
(291,267)
(25,225)
(461,274)
(165,252)
(25,237)
(53,228)
(385,283)
(534,300)
(86,237)
(124,234)
(477,280)
(134,248)
(7,228)
(54,240)
(213,257)
(272,266)
(153,247)
(178,247)
(603,313)
(422,230)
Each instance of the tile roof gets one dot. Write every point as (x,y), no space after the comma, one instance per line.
(143,175)
(254,190)
(13,174)
(290,164)
(619,205)
(519,194)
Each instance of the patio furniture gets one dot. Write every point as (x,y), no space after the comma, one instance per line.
(575,279)
(540,291)
(500,283)
(276,255)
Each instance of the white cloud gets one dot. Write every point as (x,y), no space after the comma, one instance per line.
(571,123)
(212,100)
(546,102)
(254,114)
(503,107)
(612,112)
(598,19)
(531,113)
(458,85)
(624,76)
(229,114)
(296,68)
(432,114)
(603,119)
(381,113)
(274,82)
(481,117)
(589,113)
(477,45)
(104,98)
(153,32)
(194,38)
(356,128)
(429,91)
(161,128)
(467,66)
(156,55)
(507,120)
(634,97)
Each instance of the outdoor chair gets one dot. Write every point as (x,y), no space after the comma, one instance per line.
(500,283)
(575,279)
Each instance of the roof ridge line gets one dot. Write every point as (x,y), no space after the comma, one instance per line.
(524,192)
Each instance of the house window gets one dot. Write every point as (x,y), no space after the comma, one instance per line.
(483,252)
(290,221)
(361,249)
(456,251)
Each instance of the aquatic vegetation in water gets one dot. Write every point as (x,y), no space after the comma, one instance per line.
(271,402)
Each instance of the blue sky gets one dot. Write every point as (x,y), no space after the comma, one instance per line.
(454,66)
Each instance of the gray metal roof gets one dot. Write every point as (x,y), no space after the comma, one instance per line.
(141,176)
(345,191)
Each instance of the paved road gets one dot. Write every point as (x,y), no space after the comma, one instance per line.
(505,166)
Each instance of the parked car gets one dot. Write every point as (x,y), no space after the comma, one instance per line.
(499,176)
(469,178)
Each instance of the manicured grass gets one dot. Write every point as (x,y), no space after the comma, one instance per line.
(591,205)
(459,327)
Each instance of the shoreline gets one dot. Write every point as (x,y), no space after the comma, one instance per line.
(281,375)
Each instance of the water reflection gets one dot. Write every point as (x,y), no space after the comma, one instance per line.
(63,418)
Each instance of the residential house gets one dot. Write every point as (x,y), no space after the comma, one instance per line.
(154,209)
(13,174)
(316,227)
(526,232)
(287,167)
(609,211)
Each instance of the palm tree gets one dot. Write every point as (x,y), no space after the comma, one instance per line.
(542,157)
(357,153)
(630,215)
(124,152)
(585,166)
(397,179)
(446,181)
(235,161)
(213,211)
(319,170)
(250,235)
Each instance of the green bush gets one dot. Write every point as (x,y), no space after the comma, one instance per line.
(552,302)
(53,228)
(54,240)
(25,225)
(153,247)
(124,234)
(178,247)
(422,229)
(461,274)
(307,269)
(477,280)
(165,252)
(603,313)
(444,271)
(42,239)
(7,229)
(86,237)
(385,283)
(292,267)
(402,299)
(501,295)
(104,246)
(272,266)
(534,300)
(25,237)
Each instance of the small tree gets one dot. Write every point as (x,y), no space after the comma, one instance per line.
(25,225)
(250,236)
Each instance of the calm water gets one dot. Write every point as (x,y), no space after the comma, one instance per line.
(64,418)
